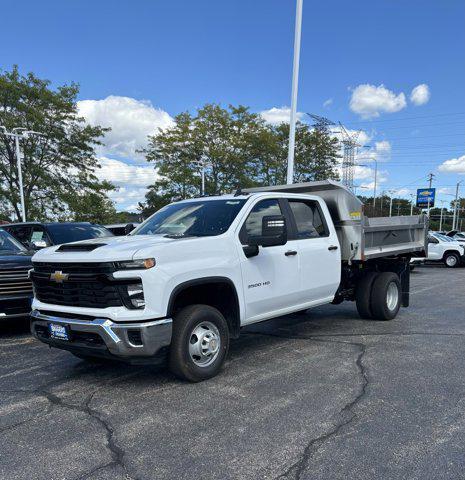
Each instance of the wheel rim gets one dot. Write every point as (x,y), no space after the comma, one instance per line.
(204,344)
(451,261)
(392,296)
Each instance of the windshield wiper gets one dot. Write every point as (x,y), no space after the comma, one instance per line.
(178,235)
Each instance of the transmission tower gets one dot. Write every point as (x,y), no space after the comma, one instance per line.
(349,144)
(320,123)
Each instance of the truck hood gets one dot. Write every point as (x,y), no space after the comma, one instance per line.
(106,248)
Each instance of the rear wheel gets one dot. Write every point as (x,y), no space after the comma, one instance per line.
(363,295)
(451,260)
(199,344)
(385,296)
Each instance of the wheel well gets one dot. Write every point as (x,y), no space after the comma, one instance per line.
(447,252)
(218,293)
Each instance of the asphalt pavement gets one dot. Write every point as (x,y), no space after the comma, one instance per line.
(321,395)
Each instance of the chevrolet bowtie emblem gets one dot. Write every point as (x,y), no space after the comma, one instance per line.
(59,277)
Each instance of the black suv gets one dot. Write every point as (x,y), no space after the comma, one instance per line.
(15,286)
(39,235)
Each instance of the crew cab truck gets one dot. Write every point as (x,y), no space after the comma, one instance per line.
(188,278)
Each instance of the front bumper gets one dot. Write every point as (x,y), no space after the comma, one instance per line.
(134,342)
(15,307)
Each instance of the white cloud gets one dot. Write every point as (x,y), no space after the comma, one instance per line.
(131,121)
(420,94)
(383,147)
(369,101)
(444,190)
(276,115)
(454,165)
(328,102)
(121,173)
(131,182)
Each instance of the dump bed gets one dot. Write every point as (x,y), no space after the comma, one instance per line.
(360,237)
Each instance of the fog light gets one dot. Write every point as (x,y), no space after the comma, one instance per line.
(136,295)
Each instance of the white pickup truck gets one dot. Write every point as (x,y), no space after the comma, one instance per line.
(187,279)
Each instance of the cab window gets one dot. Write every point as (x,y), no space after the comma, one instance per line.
(253,225)
(309,219)
(39,238)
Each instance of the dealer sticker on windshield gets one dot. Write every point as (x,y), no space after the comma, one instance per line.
(58,332)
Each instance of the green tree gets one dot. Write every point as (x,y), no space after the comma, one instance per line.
(58,167)
(237,148)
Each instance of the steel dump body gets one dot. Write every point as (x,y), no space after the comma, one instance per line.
(362,238)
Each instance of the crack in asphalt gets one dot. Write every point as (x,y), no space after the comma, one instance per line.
(347,416)
(117,452)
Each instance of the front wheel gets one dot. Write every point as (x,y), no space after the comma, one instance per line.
(386,296)
(451,260)
(199,344)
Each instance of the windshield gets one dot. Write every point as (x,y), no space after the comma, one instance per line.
(66,233)
(198,219)
(442,237)
(9,245)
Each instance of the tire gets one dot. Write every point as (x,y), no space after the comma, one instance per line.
(193,355)
(386,296)
(363,295)
(451,260)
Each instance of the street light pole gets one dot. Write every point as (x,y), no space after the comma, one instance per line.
(455,204)
(17,133)
(20,177)
(295,87)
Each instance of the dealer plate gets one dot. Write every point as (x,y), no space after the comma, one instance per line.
(58,332)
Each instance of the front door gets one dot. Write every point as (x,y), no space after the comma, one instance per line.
(271,278)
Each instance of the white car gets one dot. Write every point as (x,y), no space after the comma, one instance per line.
(443,249)
(187,279)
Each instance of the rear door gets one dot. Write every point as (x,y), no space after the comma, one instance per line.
(271,279)
(319,251)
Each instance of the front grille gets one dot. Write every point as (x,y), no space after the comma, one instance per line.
(97,267)
(88,285)
(15,282)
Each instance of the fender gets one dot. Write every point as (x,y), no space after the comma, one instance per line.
(233,320)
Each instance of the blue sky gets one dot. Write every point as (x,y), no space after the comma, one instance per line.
(141,62)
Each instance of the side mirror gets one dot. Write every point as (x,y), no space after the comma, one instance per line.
(32,246)
(433,240)
(128,228)
(274,232)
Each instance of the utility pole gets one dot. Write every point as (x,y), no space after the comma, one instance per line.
(295,87)
(374,187)
(390,203)
(19,133)
(455,204)
(430,180)
(412,196)
(440,218)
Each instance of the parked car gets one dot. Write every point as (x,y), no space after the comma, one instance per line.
(457,236)
(39,235)
(15,286)
(120,229)
(189,277)
(443,249)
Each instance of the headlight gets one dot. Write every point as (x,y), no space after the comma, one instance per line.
(136,264)
(136,295)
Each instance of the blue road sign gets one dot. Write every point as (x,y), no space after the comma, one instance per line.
(425,197)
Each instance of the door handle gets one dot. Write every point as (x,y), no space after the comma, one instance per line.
(332,247)
(290,253)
